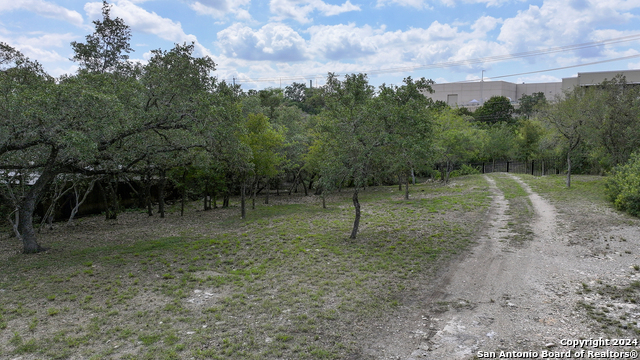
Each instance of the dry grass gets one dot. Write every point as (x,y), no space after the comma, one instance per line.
(285,283)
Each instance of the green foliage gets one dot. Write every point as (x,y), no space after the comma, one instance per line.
(456,140)
(529,104)
(497,109)
(264,141)
(467,170)
(308,99)
(105,49)
(500,142)
(527,141)
(623,186)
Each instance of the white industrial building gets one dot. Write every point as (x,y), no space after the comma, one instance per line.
(474,94)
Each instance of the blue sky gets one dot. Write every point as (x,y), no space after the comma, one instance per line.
(273,43)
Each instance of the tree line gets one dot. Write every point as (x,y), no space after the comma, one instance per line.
(170,120)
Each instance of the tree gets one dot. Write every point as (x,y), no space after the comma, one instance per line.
(497,109)
(349,137)
(296,125)
(616,126)
(50,128)
(456,140)
(96,122)
(568,117)
(107,48)
(531,103)
(296,92)
(270,99)
(528,136)
(500,142)
(406,116)
(264,142)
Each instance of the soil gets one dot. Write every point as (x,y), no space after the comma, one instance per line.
(523,298)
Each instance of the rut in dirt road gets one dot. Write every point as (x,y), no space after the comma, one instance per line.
(521,296)
(498,298)
(492,290)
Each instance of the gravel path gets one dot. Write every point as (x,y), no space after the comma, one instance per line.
(520,299)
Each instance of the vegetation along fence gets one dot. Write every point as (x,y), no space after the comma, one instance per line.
(537,167)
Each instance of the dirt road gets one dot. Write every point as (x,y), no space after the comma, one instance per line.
(524,299)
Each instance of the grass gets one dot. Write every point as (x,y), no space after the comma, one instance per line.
(584,188)
(613,317)
(520,208)
(284,283)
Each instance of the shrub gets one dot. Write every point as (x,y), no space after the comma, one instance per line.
(623,186)
(468,170)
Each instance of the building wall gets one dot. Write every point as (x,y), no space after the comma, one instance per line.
(592,78)
(473,94)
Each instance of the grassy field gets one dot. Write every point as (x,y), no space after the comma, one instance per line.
(284,283)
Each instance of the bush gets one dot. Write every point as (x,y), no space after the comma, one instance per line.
(623,186)
(468,170)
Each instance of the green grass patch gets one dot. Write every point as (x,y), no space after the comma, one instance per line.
(287,282)
(520,208)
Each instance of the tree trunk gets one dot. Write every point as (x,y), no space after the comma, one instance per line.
(110,199)
(184,191)
(253,195)
(406,188)
(311,183)
(147,195)
(446,179)
(295,185)
(206,196)
(304,186)
(163,182)
(225,200)
(243,210)
(324,204)
(413,177)
(266,200)
(25,227)
(75,209)
(356,222)
(568,169)
(26,206)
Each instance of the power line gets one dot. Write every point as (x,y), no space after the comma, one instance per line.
(554,69)
(495,58)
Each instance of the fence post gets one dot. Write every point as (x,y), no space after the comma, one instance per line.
(507,166)
(483,167)
(532,163)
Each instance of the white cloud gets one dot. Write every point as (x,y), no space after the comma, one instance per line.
(485,24)
(220,9)
(44,8)
(274,41)
(488,3)
(143,21)
(418,4)
(300,9)
(37,47)
(48,40)
(341,42)
(560,22)
(633,66)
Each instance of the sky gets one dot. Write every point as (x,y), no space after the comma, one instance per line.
(272,43)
